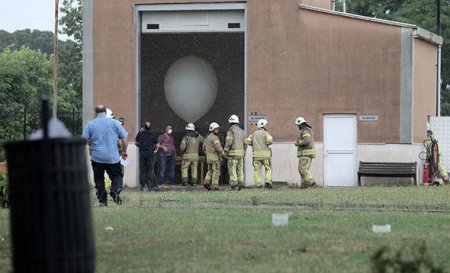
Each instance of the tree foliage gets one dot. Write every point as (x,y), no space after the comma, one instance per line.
(25,75)
(71,22)
(33,39)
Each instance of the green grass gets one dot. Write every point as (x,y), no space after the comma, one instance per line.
(329,229)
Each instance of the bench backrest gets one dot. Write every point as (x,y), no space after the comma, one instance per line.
(388,167)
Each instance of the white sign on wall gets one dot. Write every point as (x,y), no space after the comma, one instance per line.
(368,118)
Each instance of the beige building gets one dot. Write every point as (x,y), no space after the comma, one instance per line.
(365,85)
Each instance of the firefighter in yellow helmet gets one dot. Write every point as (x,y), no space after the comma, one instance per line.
(429,145)
(189,149)
(260,140)
(214,153)
(235,152)
(305,152)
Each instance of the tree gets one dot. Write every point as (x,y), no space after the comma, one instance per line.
(71,22)
(70,54)
(25,75)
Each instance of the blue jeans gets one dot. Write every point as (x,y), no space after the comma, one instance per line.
(167,162)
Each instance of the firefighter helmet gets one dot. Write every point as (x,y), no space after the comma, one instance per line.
(233,119)
(262,123)
(190,127)
(213,126)
(109,113)
(299,121)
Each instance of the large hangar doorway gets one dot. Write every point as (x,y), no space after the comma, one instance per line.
(218,60)
(191,66)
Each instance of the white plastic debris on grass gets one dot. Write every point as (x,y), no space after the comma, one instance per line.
(1,238)
(109,228)
(56,129)
(381,228)
(280,219)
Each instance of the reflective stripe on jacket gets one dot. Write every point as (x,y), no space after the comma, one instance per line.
(234,142)
(189,147)
(305,143)
(260,141)
(212,148)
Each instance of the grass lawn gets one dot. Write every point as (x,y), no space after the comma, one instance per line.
(330,230)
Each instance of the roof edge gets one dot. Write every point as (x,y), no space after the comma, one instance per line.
(418,32)
(428,36)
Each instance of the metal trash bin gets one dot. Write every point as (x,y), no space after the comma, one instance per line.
(49,196)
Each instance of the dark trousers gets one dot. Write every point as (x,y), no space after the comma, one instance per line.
(114,172)
(147,175)
(167,162)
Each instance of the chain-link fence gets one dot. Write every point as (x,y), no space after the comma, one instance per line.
(19,125)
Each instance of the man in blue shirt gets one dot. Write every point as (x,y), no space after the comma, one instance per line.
(103,134)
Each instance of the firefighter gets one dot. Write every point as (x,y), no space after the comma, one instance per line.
(214,153)
(305,153)
(189,149)
(428,145)
(235,152)
(260,140)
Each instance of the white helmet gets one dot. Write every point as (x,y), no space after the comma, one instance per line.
(213,126)
(109,113)
(299,121)
(262,123)
(190,126)
(233,119)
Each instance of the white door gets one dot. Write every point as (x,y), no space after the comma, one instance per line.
(339,150)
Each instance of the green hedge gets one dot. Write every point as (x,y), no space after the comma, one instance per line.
(3,190)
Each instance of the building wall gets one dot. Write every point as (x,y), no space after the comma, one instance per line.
(341,65)
(425,69)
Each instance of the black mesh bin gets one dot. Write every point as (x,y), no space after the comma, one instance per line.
(50,206)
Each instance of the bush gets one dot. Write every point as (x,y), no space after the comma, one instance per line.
(3,190)
(410,256)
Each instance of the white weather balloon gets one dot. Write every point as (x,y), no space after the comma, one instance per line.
(190,87)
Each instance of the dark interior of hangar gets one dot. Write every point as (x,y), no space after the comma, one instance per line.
(223,51)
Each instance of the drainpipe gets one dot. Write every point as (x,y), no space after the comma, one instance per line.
(438,72)
(438,82)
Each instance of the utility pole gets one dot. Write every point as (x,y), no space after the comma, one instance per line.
(55,64)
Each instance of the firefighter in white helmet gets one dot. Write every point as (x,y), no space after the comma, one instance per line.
(305,152)
(189,150)
(214,152)
(260,140)
(235,151)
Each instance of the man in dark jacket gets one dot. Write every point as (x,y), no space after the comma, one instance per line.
(147,142)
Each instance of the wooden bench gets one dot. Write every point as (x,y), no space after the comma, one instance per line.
(387,169)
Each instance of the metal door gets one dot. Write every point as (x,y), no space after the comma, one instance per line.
(340,150)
